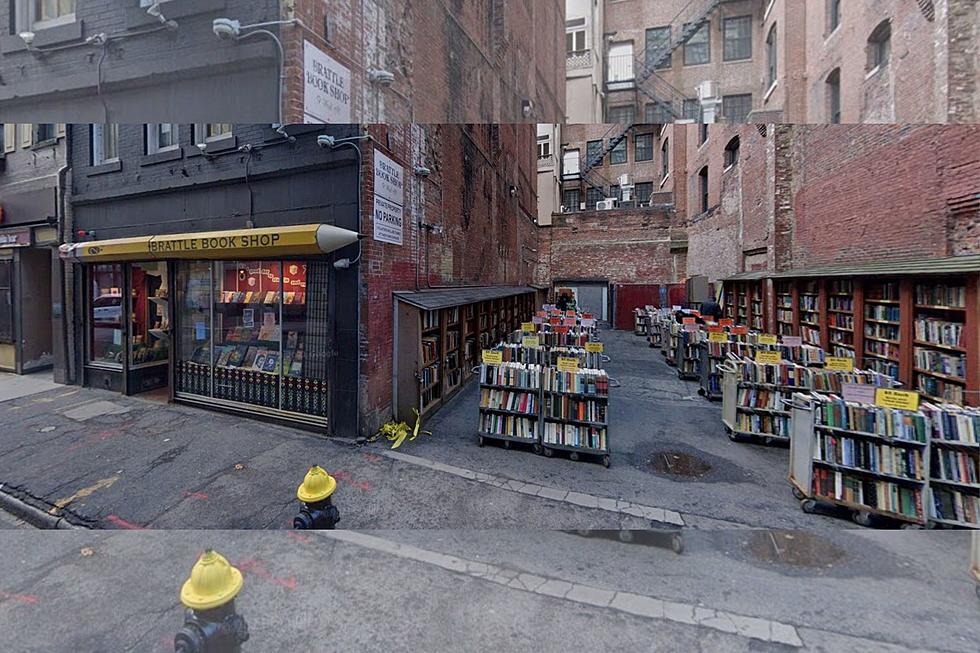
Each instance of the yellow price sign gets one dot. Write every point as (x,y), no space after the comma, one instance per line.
(567,364)
(594,347)
(900,399)
(531,341)
(493,357)
(718,337)
(768,357)
(839,364)
(527,327)
(768,339)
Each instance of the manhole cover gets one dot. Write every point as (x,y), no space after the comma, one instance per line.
(795,548)
(679,463)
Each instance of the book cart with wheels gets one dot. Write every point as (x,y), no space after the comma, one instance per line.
(640,321)
(510,404)
(871,460)
(575,413)
(954,467)
(654,329)
(688,355)
(672,342)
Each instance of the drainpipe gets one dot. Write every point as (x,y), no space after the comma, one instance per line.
(67,271)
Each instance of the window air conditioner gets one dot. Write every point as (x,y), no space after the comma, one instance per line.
(605,205)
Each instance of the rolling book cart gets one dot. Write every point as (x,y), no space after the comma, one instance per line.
(688,355)
(510,404)
(954,467)
(575,413)
(640,321)
(871,460)
(672,342)
(712,358)
(654,329)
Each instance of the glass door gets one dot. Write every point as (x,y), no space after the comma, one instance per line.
(149,326)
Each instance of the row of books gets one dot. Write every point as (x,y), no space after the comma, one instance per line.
(453,338)
(883,331)
(881,349)
(871,456)
(572,435)
(430,319)
(509,426)
(517,375)
(941,362)
(584,381)
(955,423)
(883,312)
(888,368)
(790,374)
(938,388)
(842,304)
(262,297)
(259,359)
(430,349)
(809,303)
(876,494)
(518,402)
(833,411)
(570,339)
(760,398)
(266,332)
(940,295)
(571,408)
(770,425)
(841,320)
(885,291)
(954,505)
(943,332)
(810,335)
(952,465)
(429,375)
(841,286)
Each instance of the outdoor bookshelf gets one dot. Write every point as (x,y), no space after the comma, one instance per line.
(882,328)
(510,404)
(785,312)
(840,317)
(954,469)
(575,413)
(688,355)
(939,351)
(808,309)
(757,312)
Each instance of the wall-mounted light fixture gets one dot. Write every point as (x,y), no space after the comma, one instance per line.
(381,77)
(155,11)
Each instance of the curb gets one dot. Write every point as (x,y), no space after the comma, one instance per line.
(32,515)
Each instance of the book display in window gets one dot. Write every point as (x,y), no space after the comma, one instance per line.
(882,328)
(939,351)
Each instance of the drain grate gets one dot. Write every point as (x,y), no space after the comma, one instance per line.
(678,463)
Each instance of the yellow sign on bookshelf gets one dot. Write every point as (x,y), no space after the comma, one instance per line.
(768,357)
(527,327)
(839,364)
(594,347)
(531,341)
(768,339)
(567,364)
(900,399)
(493,357)
(717,337)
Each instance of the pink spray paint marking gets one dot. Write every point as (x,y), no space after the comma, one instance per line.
(119,522)
(258,568)
(27,599)
(195,495)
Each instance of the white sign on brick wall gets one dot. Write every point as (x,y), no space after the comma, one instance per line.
(326,87)
(389,199)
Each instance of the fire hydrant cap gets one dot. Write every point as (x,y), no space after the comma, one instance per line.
(317,486)
(213,583)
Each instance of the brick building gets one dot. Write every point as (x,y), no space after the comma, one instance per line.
(782,61)
(250,249)
(342,61)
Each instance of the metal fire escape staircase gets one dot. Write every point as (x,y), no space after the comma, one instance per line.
(615,135)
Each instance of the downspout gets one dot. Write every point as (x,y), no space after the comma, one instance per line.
(66,271)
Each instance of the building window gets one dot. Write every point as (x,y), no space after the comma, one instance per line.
(738,38)
(161,137)
(625,115)
(212,131)
(105,343)
(658,113)
(571,165)
(658,50)
(736,108)
(621,62)
(731,152)
(692,110)
(833,16)
(571,198)
(32,15)
(702,133)
(616,193)
(575,36)
(105,144)
(618,155)
(833,96)
(880,45)
(698,49)
(593,154)
(593,196)
(643,192)
(665,159)
(703,187)
(544,147)
(6,301)
(45,133)
(643,147)
(771,56)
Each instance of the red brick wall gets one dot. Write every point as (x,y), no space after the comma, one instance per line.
(488,235)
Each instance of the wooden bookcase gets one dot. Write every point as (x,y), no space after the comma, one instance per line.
(939,354)
(785,298)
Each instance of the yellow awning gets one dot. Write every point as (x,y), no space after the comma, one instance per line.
(263,242)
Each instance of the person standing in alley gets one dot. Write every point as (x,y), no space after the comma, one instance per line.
(712,309)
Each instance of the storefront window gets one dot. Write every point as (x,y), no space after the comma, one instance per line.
(193,303)
(308,345)
(106,314)
(150,311)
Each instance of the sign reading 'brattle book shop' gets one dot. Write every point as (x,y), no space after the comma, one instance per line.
(389,199)
(326,87)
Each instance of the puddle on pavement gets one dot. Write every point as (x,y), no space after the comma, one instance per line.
(678,463)
(795,548)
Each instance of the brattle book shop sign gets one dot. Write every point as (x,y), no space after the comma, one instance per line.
(326,84)
(389,199)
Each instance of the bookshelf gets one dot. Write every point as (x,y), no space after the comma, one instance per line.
(510,404)
(954,469)
(672,342)
(785,312)
(882,328)
(640,321)
(688,356)
(840,317)
(654,329)
(939,345)
(575,413)
(757,312)
(808,309)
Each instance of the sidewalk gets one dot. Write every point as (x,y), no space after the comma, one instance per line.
(510,591)
(116,461)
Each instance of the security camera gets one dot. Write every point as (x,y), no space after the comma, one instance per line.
(27,37)
(422,171)
(226,28)
(96,39)
(325,141)
(381,77)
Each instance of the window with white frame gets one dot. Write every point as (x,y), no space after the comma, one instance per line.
(544,146)
(575,36)
(207,132)
(161,137)
(45,133)
(30,15)
(621,62)
(105,144)
(570,162)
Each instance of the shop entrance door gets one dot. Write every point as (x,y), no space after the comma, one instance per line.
(149,314)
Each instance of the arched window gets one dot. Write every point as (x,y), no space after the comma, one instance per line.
(731,152)
(880,45)
(833,96)
(703,187)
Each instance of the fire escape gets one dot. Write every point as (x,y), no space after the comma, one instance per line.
(588,174)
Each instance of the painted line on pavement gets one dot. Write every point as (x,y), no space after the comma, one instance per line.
(582,499)
(765,630)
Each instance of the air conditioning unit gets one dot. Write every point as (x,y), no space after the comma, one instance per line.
(581,207)
(624,180)
(605,205)
(709,90)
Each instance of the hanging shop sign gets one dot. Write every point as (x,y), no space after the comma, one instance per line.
(528,327)
(15,238)
(726,322)
(567,364)
(264,242)
(389,199)
(740,330)
(326,87)
(532,342)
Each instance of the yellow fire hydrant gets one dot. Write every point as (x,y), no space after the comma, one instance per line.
(211,623)
(318,511)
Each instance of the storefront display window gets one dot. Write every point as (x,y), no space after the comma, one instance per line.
(150,314)
(106,314)
(193,304)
